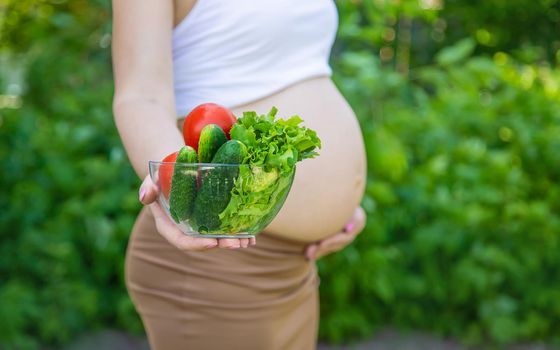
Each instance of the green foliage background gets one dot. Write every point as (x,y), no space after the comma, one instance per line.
(461,116)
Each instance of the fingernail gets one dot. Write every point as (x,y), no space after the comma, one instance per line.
(142,194)
(211,245)
(349,227)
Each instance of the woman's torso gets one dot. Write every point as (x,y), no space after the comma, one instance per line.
(326,189)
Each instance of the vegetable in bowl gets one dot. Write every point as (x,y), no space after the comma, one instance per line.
(246,182)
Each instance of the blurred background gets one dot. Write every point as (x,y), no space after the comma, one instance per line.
(460,107)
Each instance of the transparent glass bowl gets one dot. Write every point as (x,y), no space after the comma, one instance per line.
(220,200)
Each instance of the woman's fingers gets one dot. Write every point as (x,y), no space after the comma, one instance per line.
(339,240)
(328,245)
(170,232)
(168,229)
(311,251)
(244,242)
(148,191)
(229,243)
(148,194)
(334,244)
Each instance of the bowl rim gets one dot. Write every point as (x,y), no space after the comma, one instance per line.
(204,164)
(215,165)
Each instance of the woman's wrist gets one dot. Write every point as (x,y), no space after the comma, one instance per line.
(147,131)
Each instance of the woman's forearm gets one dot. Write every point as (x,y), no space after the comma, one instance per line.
(148,131)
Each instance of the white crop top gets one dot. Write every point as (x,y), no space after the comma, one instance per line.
(232,52)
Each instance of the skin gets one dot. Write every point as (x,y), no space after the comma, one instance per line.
(144,112)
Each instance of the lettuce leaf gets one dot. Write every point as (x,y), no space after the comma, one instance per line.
(274,147)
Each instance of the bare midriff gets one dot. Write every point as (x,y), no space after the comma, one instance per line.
(328,188)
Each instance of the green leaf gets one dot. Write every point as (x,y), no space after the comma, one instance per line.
(456,53)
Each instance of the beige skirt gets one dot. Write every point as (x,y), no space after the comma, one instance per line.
(260,298)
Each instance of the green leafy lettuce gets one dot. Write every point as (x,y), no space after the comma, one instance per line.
(274,147)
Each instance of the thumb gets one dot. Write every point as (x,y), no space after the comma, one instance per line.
(148,191)
(311,251)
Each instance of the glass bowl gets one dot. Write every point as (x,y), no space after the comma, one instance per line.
(220,200)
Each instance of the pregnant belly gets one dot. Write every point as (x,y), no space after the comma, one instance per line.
(328,188)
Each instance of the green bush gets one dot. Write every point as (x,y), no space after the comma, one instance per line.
(462,197)
(416,29)
(69,195)
(463,200)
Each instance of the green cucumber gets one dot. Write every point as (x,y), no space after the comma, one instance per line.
(212,137)
(216,185)
(183,186)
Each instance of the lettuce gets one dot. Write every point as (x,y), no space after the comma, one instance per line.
(274,147)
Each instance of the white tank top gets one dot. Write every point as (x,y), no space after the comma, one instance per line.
(232,52)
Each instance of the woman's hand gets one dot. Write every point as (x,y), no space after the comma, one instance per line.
(339,240)
(148,195)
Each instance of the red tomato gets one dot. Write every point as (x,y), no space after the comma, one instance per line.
(166,173)
(202,115)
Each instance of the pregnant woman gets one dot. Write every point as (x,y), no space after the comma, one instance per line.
(169,56)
